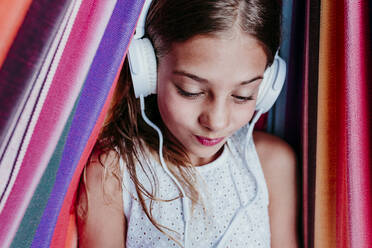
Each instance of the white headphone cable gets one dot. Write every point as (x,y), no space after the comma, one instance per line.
(252,124)
(239,213)
(185,199)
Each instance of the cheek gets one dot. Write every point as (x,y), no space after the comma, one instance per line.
(243,115)
(174,112)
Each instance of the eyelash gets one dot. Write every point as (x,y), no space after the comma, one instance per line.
(239,99)
(188,94)
(242,99)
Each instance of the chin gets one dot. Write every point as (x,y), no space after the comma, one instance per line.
(207,155)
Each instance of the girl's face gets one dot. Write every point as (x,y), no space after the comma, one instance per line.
(207,89)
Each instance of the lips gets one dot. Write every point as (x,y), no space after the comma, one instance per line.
(207,141)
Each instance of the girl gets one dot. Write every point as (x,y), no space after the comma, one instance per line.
(211,184)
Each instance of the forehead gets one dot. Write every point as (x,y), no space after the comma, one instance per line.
(237,57)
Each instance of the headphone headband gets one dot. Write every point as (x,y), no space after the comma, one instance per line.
(140,28)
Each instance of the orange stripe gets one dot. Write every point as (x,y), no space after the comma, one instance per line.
(325,192)
(330,199)
(12,14)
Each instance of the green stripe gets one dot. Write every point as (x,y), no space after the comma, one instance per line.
(31,219)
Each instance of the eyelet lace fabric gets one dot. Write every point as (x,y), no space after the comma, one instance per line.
(233,212)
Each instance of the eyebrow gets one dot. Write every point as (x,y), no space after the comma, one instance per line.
(203,80)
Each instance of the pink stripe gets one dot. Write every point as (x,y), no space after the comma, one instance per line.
(68,80)
(358,122)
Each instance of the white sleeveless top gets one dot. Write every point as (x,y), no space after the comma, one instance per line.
(235,199)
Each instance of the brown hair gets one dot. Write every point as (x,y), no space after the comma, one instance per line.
(177,21)
(170,21)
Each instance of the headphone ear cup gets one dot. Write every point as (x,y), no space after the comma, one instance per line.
(142,64)
(271,85)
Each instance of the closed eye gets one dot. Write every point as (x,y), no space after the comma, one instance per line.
(243,99)
(184,93)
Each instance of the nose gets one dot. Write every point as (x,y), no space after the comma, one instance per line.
(215,115)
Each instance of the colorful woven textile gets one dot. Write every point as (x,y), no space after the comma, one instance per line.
(53,109)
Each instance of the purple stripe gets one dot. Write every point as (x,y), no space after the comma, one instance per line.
(98,83)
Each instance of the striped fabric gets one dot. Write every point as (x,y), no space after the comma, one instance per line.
(309,105)
(336,128)
(74,59)
(30,82)
(59,64)
(343,213)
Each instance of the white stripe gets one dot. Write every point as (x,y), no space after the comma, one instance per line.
(10,155)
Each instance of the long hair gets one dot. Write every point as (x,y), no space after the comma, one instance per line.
(169,21)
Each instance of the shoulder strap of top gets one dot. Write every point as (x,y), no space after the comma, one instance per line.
(127,188)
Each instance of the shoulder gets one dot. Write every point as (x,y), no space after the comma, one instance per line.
(101,181)
(103,169)
(100,217)
(274,153)
(278,162)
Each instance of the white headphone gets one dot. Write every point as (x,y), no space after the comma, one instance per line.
(143,68)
